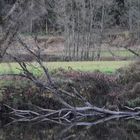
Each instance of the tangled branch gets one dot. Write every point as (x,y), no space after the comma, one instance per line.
(68,114)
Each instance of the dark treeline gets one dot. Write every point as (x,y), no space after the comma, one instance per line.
(116,12)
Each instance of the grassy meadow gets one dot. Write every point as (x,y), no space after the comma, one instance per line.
(85,66)
(119,53)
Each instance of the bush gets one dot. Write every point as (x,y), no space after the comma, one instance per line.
(130,78)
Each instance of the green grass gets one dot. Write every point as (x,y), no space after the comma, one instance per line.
(104,53)
(103,66)
(119,53)
(86,66)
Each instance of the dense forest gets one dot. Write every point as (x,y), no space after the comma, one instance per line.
(123,14)
(85,24)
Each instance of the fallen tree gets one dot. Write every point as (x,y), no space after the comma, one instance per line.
(68,113)
(69,116)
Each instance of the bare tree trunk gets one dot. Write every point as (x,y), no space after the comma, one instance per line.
(138,21)
(101,31)
(78,37)
(46,28)
(130,16)
(31,20)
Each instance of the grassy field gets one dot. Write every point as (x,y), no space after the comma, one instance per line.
(86,66)
(119,53)
(104,53)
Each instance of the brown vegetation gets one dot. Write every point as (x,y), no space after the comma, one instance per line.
(130,79)
(57,39)
(50,41)
(99,89)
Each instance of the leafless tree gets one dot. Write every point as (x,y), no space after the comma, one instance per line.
(88,24)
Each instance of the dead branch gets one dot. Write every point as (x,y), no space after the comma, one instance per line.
(67,114)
